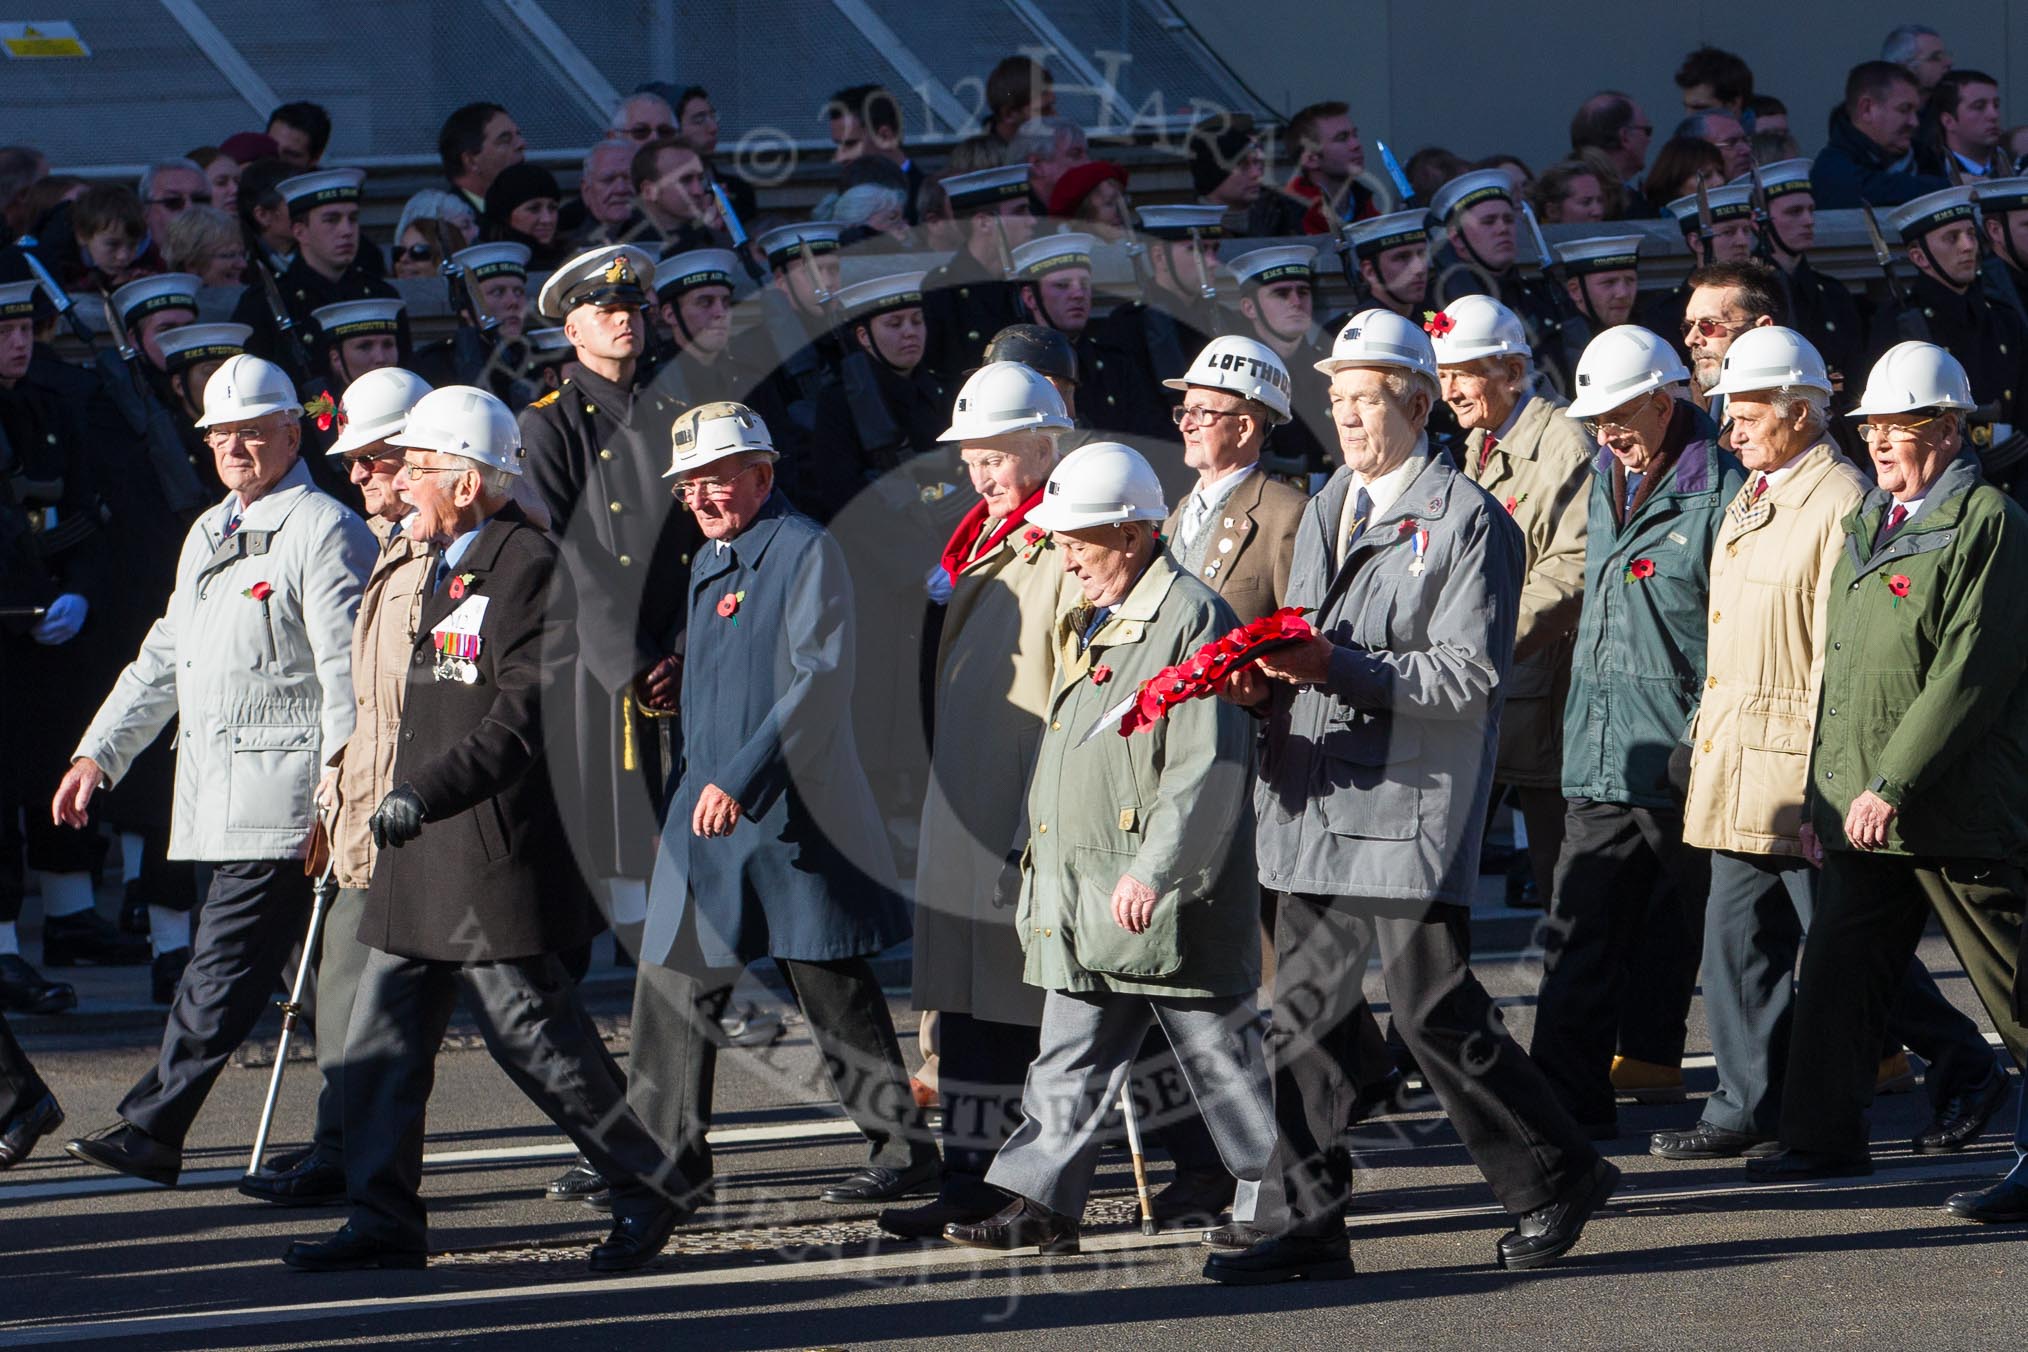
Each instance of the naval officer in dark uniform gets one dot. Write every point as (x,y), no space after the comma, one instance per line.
(969,298)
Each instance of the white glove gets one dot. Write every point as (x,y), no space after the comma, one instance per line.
(61,621)
(938,585)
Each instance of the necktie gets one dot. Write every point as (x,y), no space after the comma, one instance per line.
(1633,487)
(231,525)
(1350,526)
(1486,450)
(1196,520)
(1759,487)
(1098,619)
(1891,524)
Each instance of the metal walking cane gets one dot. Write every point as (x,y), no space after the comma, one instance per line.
(1148,1226)
(320,901)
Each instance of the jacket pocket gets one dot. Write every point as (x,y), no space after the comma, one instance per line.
(1101,945)
(1774,767)
(269,780)
(1370,790)
(495,841)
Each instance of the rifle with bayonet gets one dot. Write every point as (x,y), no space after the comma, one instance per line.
(293,349)
(58,297)
(1908,320)
(1165,345)
(120,366)
(1707,230)
(1764,239)
(1573,330)
(737,229)
(472,345)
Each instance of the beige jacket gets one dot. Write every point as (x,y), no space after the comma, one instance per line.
(1248,548)
(383,640)
(1770,584)
(1540,473)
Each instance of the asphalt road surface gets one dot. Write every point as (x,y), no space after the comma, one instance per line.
(1687,1255)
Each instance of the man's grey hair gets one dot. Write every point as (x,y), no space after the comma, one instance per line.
(1697,126)
(146,187)
(619,120)
(1790,400)
(624,149)
(861,202)
(497,482)
(1902,43)
(1040,137)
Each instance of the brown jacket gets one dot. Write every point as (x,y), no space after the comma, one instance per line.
(1251,540)
(383,638)
(1771,581)
(1539,472)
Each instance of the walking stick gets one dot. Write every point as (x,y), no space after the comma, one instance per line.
(320,901)
(1148,1226)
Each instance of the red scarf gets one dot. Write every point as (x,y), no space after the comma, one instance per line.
(966,546)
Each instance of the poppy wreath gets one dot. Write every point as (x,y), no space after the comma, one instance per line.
(1211,664)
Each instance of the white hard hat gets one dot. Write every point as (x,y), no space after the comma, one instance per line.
(244,388)
(712,432)
(1623,362)
(1913,375)
(1472,327)
(1002,397)
(375,406)
(1771,358)
(1379,337)
(1244,367)
(1101,483)
(463,420)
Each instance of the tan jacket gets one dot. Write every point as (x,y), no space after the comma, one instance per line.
(383,639)
(1250,543)
(1770,584)
(996,668)
(1539,473)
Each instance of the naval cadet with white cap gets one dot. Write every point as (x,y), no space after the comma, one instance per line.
(1481,216)
(1277,299)
(969,298)
(359,336)
(1602,276)
(486,350)
(796,344)
(1141,344)
(1392,257)
(324,218)
(694,294)
(1820,308)
(1052,276)
(152,305)
(1732,241)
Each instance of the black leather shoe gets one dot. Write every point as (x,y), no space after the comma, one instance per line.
(1547,1233)
(314,1182)
(1284,1258)
(1706,1142)
(1232,1237)
(168,974)
(962,1200)
(635,1241)
(1192,1200)
(348,1251)
(1963,1116)
(87,936)
(2006,1202)
(875,1184)
(575,1183)
(289,1159)
(126,1149)
(1797,1166)
(23,990)
(26,1127)
(1018,1225)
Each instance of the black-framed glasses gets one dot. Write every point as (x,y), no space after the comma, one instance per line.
(648,131)
(414,253)
(1183,413)
(176,201)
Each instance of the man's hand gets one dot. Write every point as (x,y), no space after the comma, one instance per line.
(717,812)
(1245,687)
(1866,820)
(74,796)
(1813,849)
(1133,904)
(326,796)
(660,687)
(398,819)
(1307,663)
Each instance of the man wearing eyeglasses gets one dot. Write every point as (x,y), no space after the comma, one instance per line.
(1726,300)
(253,656)
(167,190)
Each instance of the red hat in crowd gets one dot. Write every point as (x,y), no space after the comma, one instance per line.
(1079,182)
(248,146)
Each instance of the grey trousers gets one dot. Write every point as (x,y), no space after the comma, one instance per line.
(1758,915)
(536,1028)
(1088,1046)
(341,958)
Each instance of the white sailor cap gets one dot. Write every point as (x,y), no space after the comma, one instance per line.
(1917,218)
(1600,253)
(1782,176)
(614,274)
(878,295)
(194,344)
(1281,263)
(1468,190)
(1180,220)
(321,187)
(1375,235)
(677,273)
(984,188)
(17,299)
(502,259)
(161,291)
(358,318)
(1728,203)
(2003,194)
(785,242)
(1052,253)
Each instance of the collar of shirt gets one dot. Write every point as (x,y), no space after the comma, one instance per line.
(1386,490)
(1972,167)
(1223,487)
(1775,476)
(235,510)
(1506,428)
(458,548)
(1912,506)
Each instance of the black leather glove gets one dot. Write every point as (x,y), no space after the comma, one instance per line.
(398,819)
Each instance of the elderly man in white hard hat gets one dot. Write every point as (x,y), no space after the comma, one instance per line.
(254,656)
(1918,801)
(372,409)
(1376,767)
(774,847)
(1138,906)
(1750,740)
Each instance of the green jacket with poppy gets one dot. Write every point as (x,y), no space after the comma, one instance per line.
(1924,700)
(1639,662)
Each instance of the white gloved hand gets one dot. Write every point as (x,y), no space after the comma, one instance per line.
(62,620)
(938,585)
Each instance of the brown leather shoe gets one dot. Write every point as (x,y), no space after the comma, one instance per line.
(1020,1224)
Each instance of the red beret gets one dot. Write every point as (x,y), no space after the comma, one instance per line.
(248,146)
(1079,182)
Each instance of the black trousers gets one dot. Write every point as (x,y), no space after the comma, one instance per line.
(253,916)
(1871,910)
(1543,810)
(538,1032)
(981,1067)
(1620,950)
(341,961)
(1502,1108)
(20,1087)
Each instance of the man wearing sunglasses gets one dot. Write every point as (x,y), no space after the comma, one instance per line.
(1726,300)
